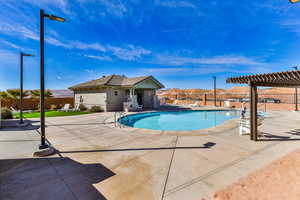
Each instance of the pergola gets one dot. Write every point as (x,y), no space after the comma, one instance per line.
(277,79)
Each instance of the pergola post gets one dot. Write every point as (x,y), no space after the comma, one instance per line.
(276,79)
(253,111)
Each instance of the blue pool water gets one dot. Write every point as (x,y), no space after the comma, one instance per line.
(179,120)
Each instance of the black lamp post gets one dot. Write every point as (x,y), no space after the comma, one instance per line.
(21,85)
(296,93)
(43,144)
(215,90)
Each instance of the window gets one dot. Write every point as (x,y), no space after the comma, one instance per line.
(116,93)
(80,99)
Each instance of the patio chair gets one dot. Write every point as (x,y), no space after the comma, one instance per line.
(66,108)
(140,108)
(245,125)
(76,107)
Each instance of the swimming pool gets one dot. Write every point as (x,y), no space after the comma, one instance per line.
(178,120)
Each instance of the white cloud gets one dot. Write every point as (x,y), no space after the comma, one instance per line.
(59,4)
(165,71)
(17,30)
(116,8)
(58,43)
(85,46)
(176,4)
(75,44)
(291,25)
(204,69)
(58,77)
(12,45)
(89,71)
(8,57)
(103,58)
(131,53)
(217,60)
(128,53)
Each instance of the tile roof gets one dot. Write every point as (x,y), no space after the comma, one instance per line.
(114,80)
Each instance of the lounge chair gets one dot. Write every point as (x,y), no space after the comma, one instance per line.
(14,110)
(18,111)
(245,125)
(196,104)
(66,108)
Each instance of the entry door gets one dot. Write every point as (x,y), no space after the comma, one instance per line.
(139,96)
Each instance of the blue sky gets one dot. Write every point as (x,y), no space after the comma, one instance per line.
(182,43)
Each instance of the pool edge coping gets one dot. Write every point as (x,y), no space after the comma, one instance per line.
(225,126)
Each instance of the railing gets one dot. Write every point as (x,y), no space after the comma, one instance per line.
(119,115)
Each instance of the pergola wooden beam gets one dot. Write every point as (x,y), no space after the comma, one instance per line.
(277,79)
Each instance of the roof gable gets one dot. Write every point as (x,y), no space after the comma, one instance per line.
(147,83)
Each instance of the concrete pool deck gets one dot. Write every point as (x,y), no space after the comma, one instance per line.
(99,161)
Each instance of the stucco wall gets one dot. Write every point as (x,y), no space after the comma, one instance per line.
(92,97)
(115,102)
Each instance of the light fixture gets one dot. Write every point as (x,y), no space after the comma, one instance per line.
(21,85)
(43,144)
(53,17)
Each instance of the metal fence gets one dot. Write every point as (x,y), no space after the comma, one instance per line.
(265,101)
(262,98)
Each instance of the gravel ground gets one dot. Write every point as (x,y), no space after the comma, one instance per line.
(278,180)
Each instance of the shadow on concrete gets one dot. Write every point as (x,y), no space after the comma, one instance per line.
(79,124)
(206,145)
(50,178)
(295,132)
(12,125)
(271,137)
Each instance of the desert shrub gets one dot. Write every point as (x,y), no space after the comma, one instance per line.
(6,113)
(96,109)
(53,107)
(82,107)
